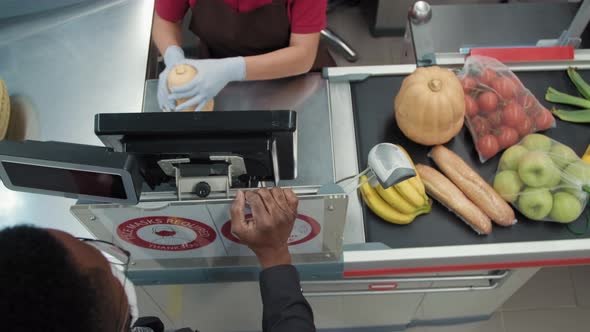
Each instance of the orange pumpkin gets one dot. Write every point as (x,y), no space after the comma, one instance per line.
(430,106)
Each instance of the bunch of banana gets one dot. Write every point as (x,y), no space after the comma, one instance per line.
(586,156)
(400,204)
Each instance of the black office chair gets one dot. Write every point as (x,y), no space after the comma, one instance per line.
(337,43)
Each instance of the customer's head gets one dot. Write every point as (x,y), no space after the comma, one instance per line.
(51,281)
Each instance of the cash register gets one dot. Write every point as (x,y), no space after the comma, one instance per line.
(162,184)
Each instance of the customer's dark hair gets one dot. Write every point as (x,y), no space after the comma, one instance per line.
(41,288)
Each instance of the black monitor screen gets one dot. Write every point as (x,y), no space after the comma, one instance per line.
(65,180)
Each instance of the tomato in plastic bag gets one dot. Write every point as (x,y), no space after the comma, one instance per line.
(499,105)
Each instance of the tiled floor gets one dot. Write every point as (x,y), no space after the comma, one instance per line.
(554,300)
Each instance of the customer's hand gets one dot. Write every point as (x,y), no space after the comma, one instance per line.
(273,215)
(212,76)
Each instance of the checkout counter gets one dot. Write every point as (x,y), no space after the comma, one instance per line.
(376,276)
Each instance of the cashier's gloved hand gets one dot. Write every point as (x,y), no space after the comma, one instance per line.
(212,76)
(273,215)
(172,57)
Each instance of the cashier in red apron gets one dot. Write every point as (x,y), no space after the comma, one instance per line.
(239,40)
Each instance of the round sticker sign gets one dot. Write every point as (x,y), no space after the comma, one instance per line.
(166,233)
(305,229)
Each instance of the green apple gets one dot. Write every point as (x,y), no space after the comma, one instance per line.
(562,155)
(508,185)
(535,203)
(576,175)
(511,157)
(536,169)
(566,207)
(537,142)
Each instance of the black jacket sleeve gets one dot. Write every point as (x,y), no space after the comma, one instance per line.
(285,308)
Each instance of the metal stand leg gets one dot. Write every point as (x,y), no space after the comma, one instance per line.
(340,44)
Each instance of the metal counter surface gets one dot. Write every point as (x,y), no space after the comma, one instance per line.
(61,67)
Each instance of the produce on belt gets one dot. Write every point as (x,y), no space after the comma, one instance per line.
(488,146)
(513,114)
(555,96)
(405,200)
(487,101)
(511,157)
(524,127)
(386,211)
(4,110)
(180,75)
(536,169)
(581,116)
(415,181)
(510,110)
(537,142)
(507,136)
(488,76)
(545,182)
(566,207)
(535,203)
(508,184)
(586,156)
(446,193)
(468,85)
(504,87)
(430,106)
(562,155)
(473,186)
(575,177)
(471,108)
(544,120)
(581,85)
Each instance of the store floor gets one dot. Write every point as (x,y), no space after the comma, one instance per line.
(555,299)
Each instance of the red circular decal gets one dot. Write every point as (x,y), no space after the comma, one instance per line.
(305,229)
(166,233)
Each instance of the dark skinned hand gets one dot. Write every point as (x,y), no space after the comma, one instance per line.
(273,215)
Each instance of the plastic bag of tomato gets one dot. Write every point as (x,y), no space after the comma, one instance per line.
(499,110)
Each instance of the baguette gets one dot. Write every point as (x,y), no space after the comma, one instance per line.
(474,186)
(446,193)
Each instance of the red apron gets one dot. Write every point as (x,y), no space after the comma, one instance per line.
(225,32)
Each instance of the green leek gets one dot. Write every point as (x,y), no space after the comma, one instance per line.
(555,96)
(579,82)
(581,116)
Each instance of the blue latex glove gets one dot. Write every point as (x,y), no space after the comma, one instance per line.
(172,57)
(213,75)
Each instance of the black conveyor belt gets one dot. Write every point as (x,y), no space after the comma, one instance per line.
(373,101)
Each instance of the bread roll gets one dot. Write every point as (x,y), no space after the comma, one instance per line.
(180,75)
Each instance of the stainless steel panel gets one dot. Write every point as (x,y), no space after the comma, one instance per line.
(489,25)
(62,67)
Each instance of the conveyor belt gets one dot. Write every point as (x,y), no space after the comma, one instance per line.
(373,101)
